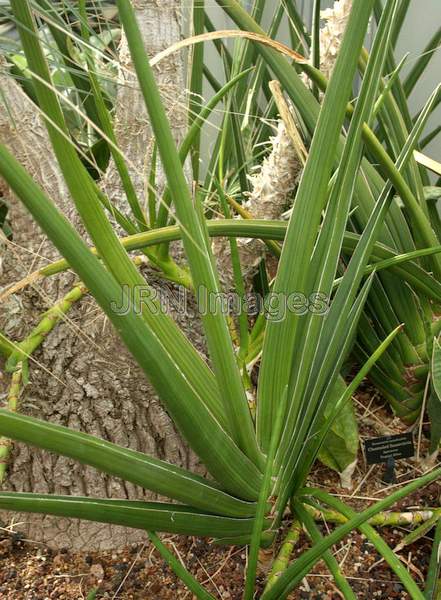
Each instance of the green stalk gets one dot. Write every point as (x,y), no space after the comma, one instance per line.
(316,537)
(420,65)
(47,323)
(432,590)
(294,456)
(238,278)
(168,266)
(78,75)
(171,345)
(309,109)
(221,48)
(12,405)
(323,266)
(107,127)
(419,532)
(391,171)
(81,186)
(204,276)
(319,430)
(196,81)
(164,207)
(397,260)
(184,575)
(335,322)
(298,23)
(138,468)
(382,548)
(399,20)
(315,45)
(430,137)
(275,370)
(300,568)
(167,518)
(152,189)
(6,346)
(283,557)
(382,256)
(180,376)
(388,86)
(382,519)
(22,352)
(262,502)
(260,79)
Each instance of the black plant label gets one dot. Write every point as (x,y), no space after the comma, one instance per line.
(382,449)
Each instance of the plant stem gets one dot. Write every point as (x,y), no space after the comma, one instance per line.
(380,545)
(47,323)
(314,533)
(382,519)
(264,494)
(12,404)
(432,591)
(179,569)
(282,560)
(18,358)
(6,346)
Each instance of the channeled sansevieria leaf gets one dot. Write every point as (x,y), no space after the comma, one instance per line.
(434,399)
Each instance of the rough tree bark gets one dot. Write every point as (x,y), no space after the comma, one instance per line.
(82,377)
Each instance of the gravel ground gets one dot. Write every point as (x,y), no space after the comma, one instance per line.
(30,571)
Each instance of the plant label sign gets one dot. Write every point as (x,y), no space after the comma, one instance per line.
(383,449)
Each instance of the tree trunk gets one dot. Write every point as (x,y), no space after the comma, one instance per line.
(82,377)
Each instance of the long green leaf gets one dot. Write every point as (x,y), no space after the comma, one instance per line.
(175,564)
(299,243)
(310,339)
(267,485)
(169,338)
(169,518)
(382,256)
(420,65)
(190,413)
(201,263)
(433,581)
(380,545)
(138,468)
(189,139)
(434,399)
(331,562)
(295,572)
(196,80)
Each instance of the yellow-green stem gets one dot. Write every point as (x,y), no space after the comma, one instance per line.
(12,404)
(285,552)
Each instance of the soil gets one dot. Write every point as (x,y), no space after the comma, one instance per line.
(31,571)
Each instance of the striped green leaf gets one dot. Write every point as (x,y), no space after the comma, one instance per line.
(205,278)
(138,468)
(169,518)
(192,415)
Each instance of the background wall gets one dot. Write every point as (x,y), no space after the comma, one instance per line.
(423,19)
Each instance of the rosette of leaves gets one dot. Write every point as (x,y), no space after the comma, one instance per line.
(258,461)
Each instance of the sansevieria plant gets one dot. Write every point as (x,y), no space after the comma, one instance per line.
(257,457)
(412,222)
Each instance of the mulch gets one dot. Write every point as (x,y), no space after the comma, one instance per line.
(30,571)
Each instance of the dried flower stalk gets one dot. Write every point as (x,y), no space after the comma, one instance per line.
(272,189)
(331,34)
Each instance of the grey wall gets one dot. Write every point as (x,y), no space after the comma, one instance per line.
(422,21)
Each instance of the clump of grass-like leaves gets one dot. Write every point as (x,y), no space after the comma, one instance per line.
(258,456)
